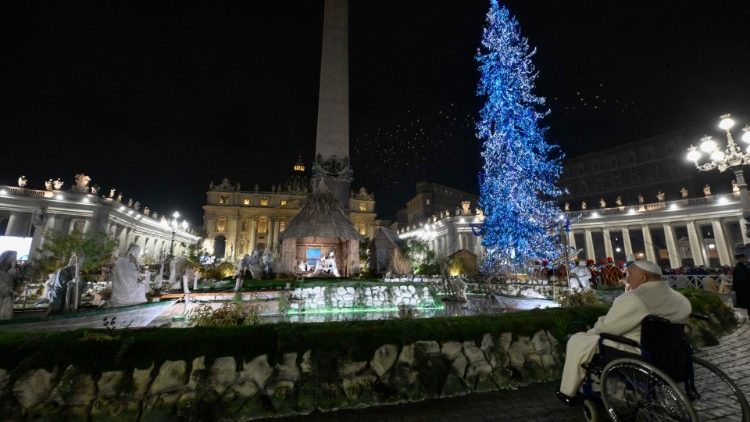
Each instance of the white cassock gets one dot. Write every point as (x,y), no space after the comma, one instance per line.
(126,290)
(623,319)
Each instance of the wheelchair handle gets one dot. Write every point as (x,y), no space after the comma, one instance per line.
(701,317)
(619,339)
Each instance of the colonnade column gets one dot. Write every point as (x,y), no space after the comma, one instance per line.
(696,249)
(721,243)
(590,253)
(607,243)
(626,242)
(648,243)
(674,256)
(253,228)
(15,223)
(572,239)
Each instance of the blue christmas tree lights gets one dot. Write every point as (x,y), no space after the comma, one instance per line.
(518,183)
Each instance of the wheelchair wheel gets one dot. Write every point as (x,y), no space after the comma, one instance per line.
(633,390)
(716,396)
(591,411)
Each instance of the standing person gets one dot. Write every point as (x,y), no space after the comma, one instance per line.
(741,282)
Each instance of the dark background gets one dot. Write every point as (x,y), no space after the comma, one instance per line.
(157,99)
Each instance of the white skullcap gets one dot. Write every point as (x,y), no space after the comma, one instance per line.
(647,266)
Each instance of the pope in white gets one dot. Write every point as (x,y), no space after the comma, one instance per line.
(648,295)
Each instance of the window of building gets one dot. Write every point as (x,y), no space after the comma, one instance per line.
(362,228)
(363,206)
(244,226)
(262,225)
(282,226)
(283,202)
(427,201)
(223,199)
(246,201)
(263,202)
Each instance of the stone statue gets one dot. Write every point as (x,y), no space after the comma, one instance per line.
(7,282)
(684,193)
(735,188)
(465,205)
(47,289)
(457,286)
(176,270)
(81,182)
(22,181)
(707,190)
(146,211)
(618,201)
(602,203)
(580,277)
(137,205)
(126,288)
(253,265)
(267,260)
(330,264)
(196,276)
(640,199)
(119,198)
(583,205)
(130,202)
(63,281)
(567,206)
(48,184)
(480,213)
(95,190)
(211,185)
(156,215)
(660,196)
(57,183)
(112,193)
(257,187)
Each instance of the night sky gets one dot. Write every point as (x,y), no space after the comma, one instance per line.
(157,98)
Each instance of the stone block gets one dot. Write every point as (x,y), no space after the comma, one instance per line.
(454,386)
(407,355)
(306,365)
(141,379)
(223,374)
(505,340)
(259,370)
(458,366)
(287,370)
(384,358)
(349,369)
(487,342)
(109,383)
(423,349)
(33,387)
(451,349)
(170,378)
(540,342)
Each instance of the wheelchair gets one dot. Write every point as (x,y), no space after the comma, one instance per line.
(664,382)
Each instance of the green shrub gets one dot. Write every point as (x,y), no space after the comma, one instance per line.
(230,314)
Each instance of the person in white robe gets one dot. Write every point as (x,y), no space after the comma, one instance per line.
(126,288)
(7,281)
(580,277)
(648,295)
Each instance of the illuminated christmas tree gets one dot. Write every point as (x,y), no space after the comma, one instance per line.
(518,184)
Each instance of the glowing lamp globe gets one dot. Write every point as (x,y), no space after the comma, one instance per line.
(717,155)
(693,154)
(726,122)
(746,135)
(708,145)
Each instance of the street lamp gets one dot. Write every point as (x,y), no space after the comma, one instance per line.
(175,225)
(732,157)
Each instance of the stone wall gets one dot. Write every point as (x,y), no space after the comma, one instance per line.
(292,383)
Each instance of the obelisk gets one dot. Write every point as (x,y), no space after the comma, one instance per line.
(332,138)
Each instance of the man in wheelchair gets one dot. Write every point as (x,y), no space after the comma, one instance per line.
(646,295)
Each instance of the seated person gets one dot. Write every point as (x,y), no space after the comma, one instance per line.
(648,295)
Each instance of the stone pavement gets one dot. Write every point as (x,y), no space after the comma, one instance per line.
(533,403)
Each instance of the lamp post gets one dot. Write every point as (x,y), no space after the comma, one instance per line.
(732,157)
(175,225)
